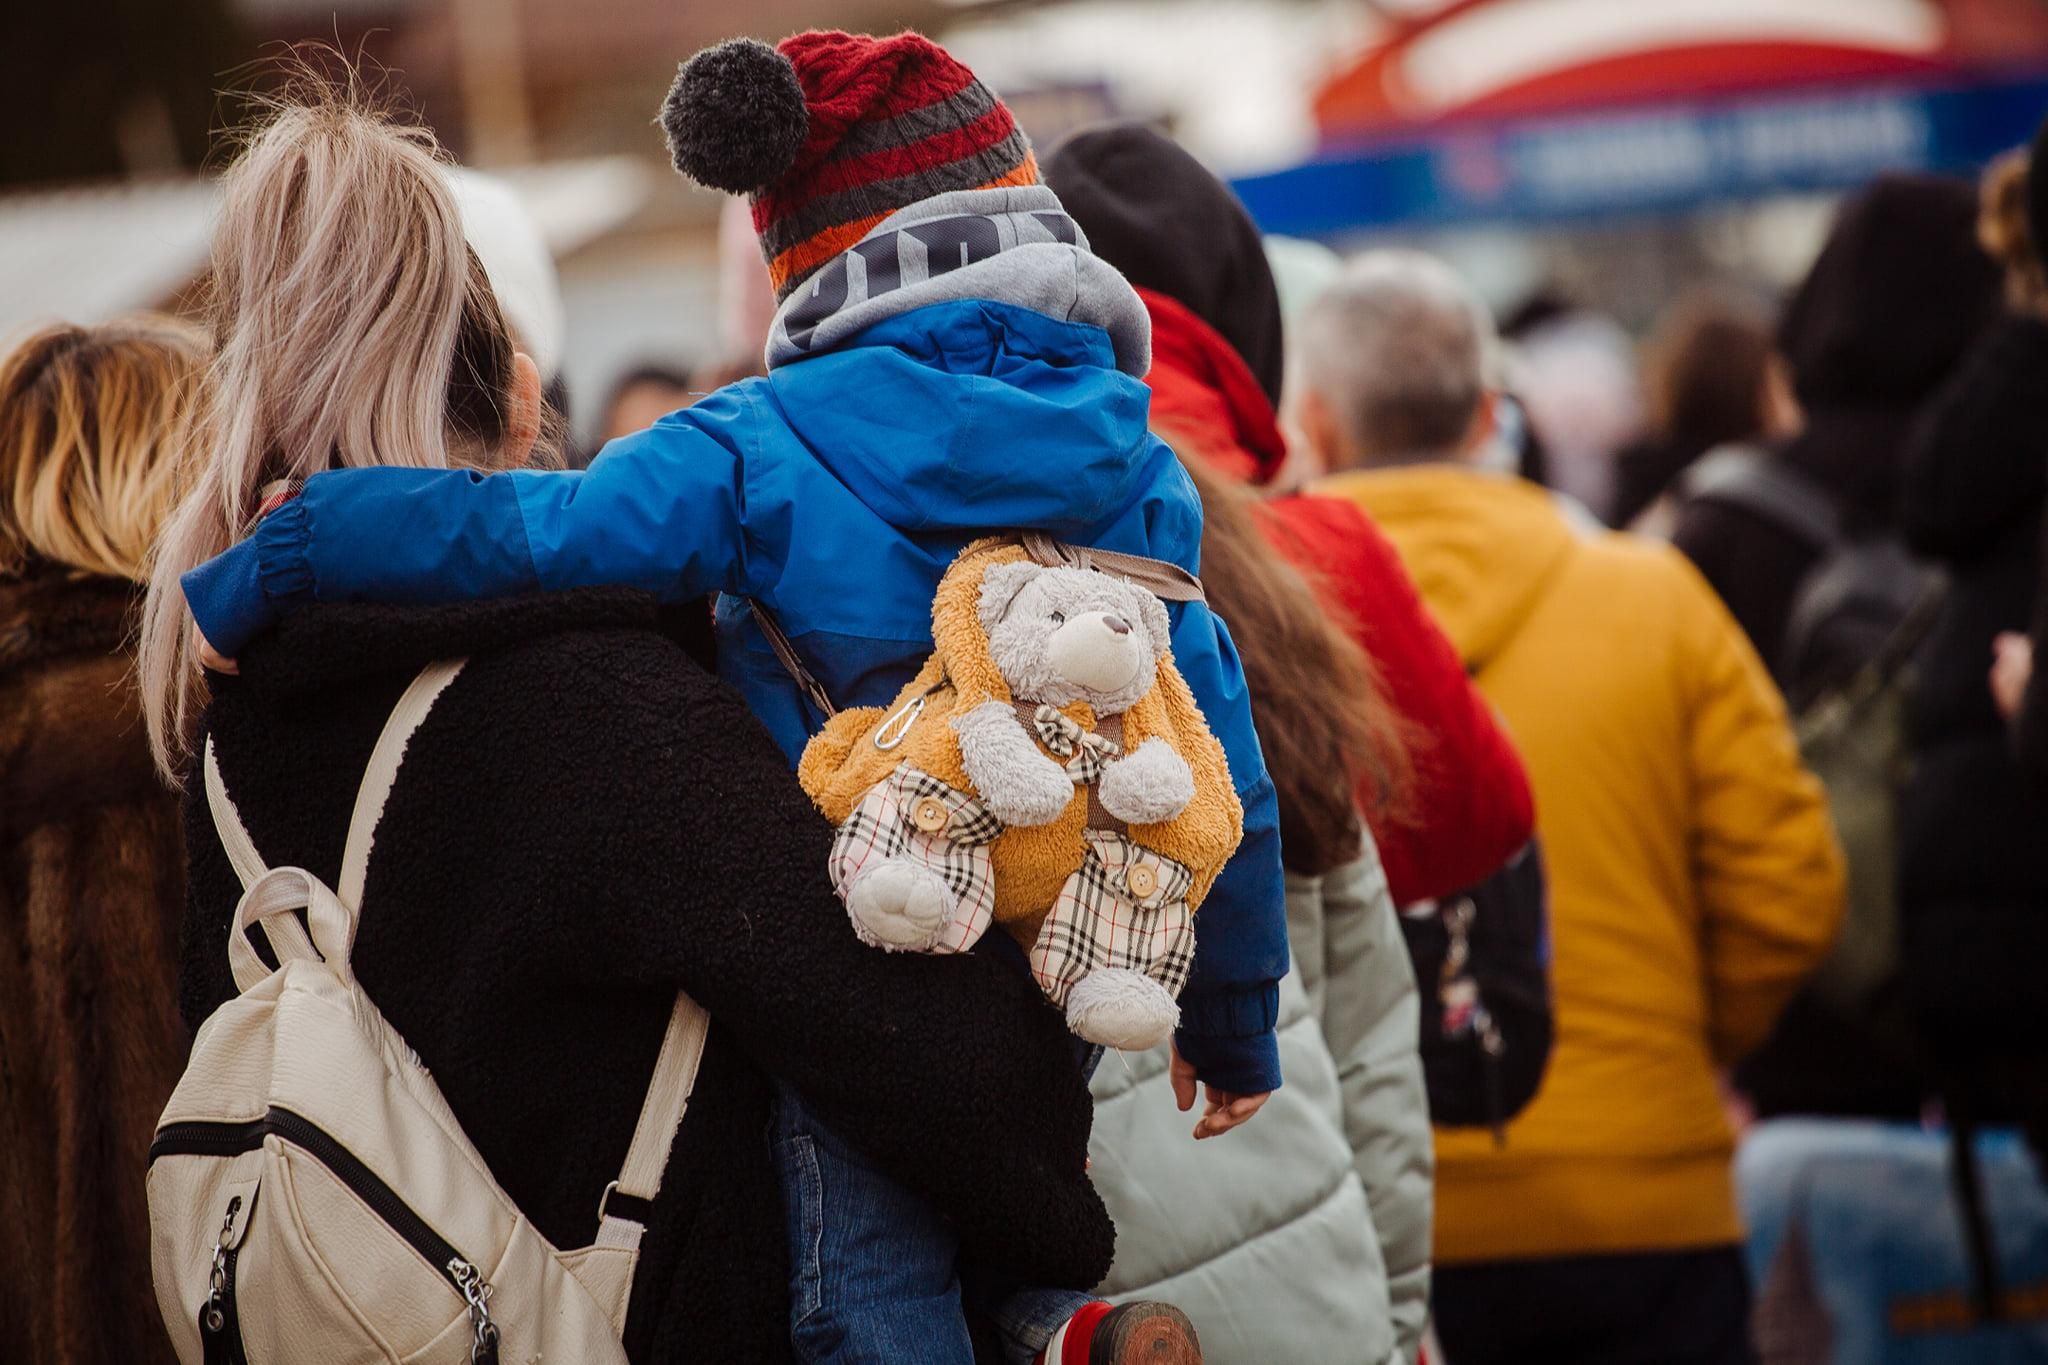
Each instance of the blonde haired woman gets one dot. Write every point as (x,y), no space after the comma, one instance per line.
(587,821)
(90,1041)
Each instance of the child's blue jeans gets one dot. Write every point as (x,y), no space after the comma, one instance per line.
(874,1275)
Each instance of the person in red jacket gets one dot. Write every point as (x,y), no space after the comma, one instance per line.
(1181,237)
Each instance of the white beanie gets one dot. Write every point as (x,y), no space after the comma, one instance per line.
(504,236)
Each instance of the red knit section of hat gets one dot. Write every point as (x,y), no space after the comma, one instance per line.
(853,87)
(849,78)
(835,176)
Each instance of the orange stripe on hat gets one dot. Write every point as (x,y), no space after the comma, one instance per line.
(821,247)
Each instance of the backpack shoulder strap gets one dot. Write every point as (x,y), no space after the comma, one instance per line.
(627,1201)
(273,897)
(378,776)
(227,824)
(1746,477)
(382,771)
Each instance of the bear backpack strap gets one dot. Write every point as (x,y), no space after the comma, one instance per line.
(792,663)
(1168,582)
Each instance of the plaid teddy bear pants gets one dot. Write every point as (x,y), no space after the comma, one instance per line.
(1125,906)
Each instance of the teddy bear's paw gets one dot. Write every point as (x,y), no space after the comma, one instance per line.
(900,906)
(1039,800)
(1147,786)
(1019,785)
(1120,1008)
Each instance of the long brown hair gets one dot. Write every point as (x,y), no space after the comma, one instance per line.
(1706,369)
(1317,702)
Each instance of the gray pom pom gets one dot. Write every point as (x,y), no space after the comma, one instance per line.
(735,117)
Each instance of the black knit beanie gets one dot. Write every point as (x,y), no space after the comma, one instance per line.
(1160,217)
(1898,293)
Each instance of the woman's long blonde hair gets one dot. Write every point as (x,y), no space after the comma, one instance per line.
(90,437)
(353,327)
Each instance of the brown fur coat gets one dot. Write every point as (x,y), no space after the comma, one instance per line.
(91,894)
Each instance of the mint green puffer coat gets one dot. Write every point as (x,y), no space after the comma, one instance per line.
(1304,1235)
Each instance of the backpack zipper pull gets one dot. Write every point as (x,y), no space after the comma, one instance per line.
(1491,1047)
(213,1317)
(476,1292)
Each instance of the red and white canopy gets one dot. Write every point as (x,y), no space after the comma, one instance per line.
(1504,58)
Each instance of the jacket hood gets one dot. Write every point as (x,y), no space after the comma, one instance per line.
(1482,548)
(70,722)
(1900,290)
(1205,398)
(975,416)
(1011,245)
(1160,216)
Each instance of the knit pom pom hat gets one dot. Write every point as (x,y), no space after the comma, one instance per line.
(829,133)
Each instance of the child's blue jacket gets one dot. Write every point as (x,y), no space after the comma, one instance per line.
(835,490)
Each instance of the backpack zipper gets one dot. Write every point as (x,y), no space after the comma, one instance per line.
(220,1326)
(208,1139)
(232,1139)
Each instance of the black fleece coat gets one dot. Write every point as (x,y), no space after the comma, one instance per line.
(1974,836)
(585,822)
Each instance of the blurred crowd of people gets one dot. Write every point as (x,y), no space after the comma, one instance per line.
(1652,731)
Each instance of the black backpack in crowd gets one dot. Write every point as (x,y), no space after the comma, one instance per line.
(1850,609)
(1482,965)
(1857,617)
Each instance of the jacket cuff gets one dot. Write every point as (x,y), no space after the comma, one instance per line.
(1228,1036)
(236,596)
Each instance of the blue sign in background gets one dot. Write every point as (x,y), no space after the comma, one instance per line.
(1648,158)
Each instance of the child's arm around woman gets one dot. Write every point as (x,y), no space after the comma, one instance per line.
(663,510)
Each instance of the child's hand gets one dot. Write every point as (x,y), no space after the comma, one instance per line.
(209,657)
(1224,1110)
(2012,667)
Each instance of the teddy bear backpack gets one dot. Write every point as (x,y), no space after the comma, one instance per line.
(1046,770)
(312,1196)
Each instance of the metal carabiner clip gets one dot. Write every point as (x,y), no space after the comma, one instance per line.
(896,728)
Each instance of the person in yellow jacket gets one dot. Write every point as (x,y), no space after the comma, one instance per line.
(1694,873)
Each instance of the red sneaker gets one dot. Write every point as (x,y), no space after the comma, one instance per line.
(1127,1334)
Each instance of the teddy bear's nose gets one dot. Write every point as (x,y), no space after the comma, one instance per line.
(1117,625)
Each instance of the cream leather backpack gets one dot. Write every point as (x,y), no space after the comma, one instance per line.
(311,1196)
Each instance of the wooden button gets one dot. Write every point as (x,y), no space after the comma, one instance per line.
(929,815)
(1142,880)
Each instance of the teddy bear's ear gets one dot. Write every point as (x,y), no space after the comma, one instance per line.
(1000,586)
(1157,625)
